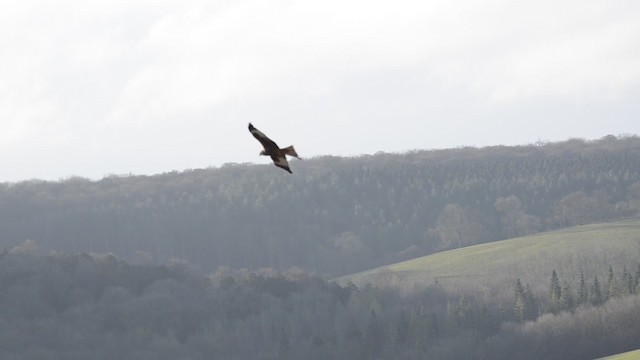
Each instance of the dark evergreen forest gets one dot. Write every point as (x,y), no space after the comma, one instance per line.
(333,215)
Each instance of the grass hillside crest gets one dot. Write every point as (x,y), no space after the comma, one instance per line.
(588,249)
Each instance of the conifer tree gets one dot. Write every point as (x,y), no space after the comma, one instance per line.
(567,300)
(627,282)
(402,330)
(352,346)
(424,327)
(532,307)
(433,326)
(520,306)
(636,281)
(595,295)
(555,291)
(373,337)
(613,289)
(583,293)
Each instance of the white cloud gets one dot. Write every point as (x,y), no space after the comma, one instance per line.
(138,78)
(595,65)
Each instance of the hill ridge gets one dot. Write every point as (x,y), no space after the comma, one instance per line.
(333,216)
(587,247)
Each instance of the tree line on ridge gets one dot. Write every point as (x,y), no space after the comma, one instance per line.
(335,215)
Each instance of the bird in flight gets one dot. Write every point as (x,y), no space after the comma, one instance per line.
(272,150)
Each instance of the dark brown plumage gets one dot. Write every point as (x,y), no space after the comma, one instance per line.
(272,150)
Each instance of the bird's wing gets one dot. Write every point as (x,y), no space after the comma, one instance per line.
(264,140)
(281,162)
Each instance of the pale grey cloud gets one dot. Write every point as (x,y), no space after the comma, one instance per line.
(97,87)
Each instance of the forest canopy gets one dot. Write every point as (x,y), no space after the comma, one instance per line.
(233,262)
(334,215)
(100,307)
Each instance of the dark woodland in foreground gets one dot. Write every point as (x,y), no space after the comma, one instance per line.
(335,216)
(100,307)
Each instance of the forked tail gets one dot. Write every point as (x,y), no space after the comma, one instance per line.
(290,151)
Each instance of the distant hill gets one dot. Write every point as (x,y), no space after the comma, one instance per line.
(589,249)
(333,215)
(631,355)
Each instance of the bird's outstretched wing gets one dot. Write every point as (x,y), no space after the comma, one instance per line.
(267,143)
(281,162)
(279,156)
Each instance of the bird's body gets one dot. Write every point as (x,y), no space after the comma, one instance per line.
(272,150)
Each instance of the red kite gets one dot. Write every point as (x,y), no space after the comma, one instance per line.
(271,149)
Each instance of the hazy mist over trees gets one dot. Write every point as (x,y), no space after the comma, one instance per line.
(232,263)
(100,307)
(333,215)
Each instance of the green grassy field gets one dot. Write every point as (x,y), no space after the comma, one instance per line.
(631,355)
(589,249)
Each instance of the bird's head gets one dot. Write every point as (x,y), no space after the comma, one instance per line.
(263,153)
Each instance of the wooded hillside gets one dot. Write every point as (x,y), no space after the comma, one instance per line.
(100,307)
(333,215)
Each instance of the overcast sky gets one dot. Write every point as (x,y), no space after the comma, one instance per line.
(92,88)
